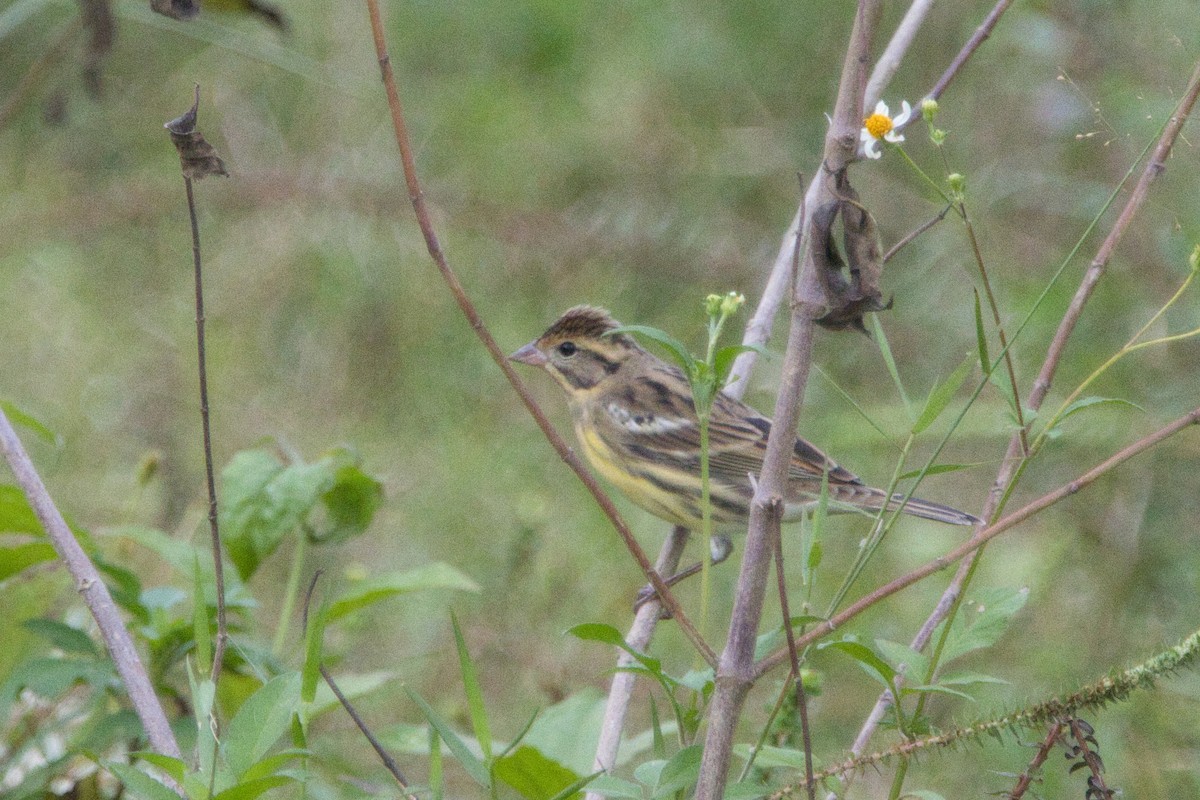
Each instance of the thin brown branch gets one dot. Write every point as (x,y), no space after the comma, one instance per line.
(794,658)
(913,234)
(983,537)
(1026,779)
(417,197)
(384,756)
(978,38)
(211,483)
(94,592)
(1154,167)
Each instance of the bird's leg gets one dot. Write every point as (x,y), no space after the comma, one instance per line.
(719,549)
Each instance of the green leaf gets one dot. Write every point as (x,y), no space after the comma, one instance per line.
(532,774)
(479,721)
(20,558)
(941,395)
(771,757)
(612,786)
(350,504)
(983,620)
(567,732)
(724,357)
(314,636)
(171,766)
(934,688)
(470,762)
(897,654)
(263,718)
(968,679)
(607,634)
(1083,404)
(16,516)
(921,794)
(263,501)
(64,637)
(138,784)
(985,361)
(184,558)
(271,765)
(865,656)
(249,790)
(28,421)
(938,469)
(889,360)
(680,772)
(437,575)
(746,790)
(575,788)
(674,347)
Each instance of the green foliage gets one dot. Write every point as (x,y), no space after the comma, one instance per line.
(573,155)
(264,500)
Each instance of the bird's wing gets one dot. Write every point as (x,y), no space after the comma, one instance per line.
(738,444)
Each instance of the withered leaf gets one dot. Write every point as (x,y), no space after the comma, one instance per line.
(851,285)
(197,158)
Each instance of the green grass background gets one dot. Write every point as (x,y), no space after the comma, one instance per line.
(635,155)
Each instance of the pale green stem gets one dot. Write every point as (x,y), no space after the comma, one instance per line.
(705,523)
(290,593)
(1132,346)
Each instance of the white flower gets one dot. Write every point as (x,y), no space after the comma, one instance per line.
(882,125)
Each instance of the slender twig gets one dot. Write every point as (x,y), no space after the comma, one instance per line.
(794,657)
(888,63)
(912,235)
(380,750)
(735,675)
(94,592)
(201,360)
(569,457)
(983,537)
(981,34)
(1039,758)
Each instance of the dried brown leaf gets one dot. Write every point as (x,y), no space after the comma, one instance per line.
(197,158)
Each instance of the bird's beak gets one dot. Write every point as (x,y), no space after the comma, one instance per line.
(529,354)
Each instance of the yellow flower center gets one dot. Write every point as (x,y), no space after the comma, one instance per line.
(878,125)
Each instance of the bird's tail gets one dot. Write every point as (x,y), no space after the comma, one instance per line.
(927,509)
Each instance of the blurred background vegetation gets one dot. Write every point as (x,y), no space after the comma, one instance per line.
(636,155)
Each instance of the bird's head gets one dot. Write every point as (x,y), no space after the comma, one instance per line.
(579,349)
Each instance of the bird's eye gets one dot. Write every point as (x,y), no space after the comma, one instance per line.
(567,349)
